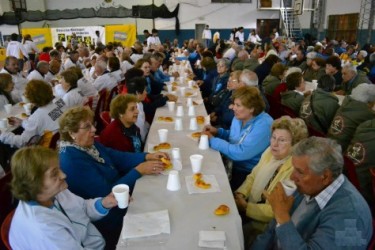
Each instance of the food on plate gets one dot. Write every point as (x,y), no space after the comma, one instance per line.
(202,184)
(197,176)
(195,87)
(167,163)
(164,145)
(24,115)
(200,120)
(165,118)
(187,94)
(222,210)
(196,135)
(174,84)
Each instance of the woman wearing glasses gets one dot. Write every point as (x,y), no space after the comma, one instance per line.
(93,169)
(274,166)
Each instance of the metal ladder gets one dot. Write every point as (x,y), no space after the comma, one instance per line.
(292,26)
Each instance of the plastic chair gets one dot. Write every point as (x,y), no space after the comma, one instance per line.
(105,118)
(53,143)
(314,132)
(285,110)
(275,110)
(5,227)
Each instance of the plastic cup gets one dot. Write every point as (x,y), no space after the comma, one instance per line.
(190,83)
(182,91)
(176,154)
(171,106)
(8,108)
(178,124)
(193,123)
(28,107)
(173,183)
(315,83)
(189,101)
(180,111)
(196,163)
(171,79)
(289,187)
(169,88)
(163,135)
(191,111)
(121,193)
(203,142)
(4,123)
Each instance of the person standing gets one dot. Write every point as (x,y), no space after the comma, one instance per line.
(207,36)
(16,49)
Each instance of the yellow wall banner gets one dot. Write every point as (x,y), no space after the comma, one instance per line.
(40,36)
(126,34)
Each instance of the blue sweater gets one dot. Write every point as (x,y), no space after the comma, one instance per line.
(247,154)
(89,179)
(344,223)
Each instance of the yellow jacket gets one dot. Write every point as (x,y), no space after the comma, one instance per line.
(261,213)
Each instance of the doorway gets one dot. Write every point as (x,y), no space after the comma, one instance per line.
(199,27)
(265,26)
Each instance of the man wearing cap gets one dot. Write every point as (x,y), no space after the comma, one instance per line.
(327,212)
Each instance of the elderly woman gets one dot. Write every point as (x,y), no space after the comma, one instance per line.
(209,75)
(153,87)
(43,121)
(48,213)
(73,95)
(355,109)
(93,169)
(316,70)
(274,78)
(122,134)
(275,165)
(6,88)
(248,135)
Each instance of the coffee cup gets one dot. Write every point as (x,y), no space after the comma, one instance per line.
(203,142)
(178,124)
(173,183)
(196,163)
(171,106)
(163,135)
(121,193)
(193,123)
(289,187)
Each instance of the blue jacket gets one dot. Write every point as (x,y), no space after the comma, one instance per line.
(89,179)
(160,76)
(208,81)
(345,220)
(247,154)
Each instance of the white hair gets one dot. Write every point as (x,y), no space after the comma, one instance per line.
(311,55)
(364,92)
(249,78)
(292,70)
(350,67)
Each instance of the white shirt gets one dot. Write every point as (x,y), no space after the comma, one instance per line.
(141,123)
(49,77)
(136,57)
(118,75)
(30,47)
(74,97)
(43,119)
(125,66)
(241,36)
(207,34)
(3,101)
(68,64)
(86,87)
(230,54)
(105,81)
(254,38)
(15,49)
(19,81)
(35,75)
(153,40)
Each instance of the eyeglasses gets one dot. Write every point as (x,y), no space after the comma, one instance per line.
(281,141)
(88,126)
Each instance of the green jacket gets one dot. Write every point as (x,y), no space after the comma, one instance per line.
(361,151)
(347,118)
(358,79)
(251,64)
(310,74)
(324,107)
(270,83)
(292,99)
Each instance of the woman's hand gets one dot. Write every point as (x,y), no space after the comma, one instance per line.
(171,98)
(109,201)
(199,82)
(209,131)
(150,167)
(156,156)
(14,121)
(240,202)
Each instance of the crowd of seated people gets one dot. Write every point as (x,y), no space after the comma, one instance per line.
(235,79)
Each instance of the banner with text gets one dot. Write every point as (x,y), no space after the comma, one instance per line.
(126,34)
(89,34)
(40,36)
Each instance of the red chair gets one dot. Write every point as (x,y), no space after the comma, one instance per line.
(89,102)
(112,94)
(285,110)
(5,227)
(105,118)
(349,171)
(275,106)
(7,203)
(314,132)
(53,143)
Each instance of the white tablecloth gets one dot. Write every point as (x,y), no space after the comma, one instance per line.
(189,213)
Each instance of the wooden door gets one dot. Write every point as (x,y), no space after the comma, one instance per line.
(265,26)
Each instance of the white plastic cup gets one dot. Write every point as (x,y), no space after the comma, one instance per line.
(289,187)
(171,106)
(203,142)
(28,107)
(189,101)
(193,123)
(171,79)
(207,120)
(24,99)
(8,108)
(173,183)
(176,154)
(182,91)
(190,83)
(169,88)
(180,111)
(315,83)
(121,193)
(178,124)
(4,123)
(163,135)
(196,163)
(191,110)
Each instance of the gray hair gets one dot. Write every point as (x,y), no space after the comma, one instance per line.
(42,64)
(364,92)
(101,64)
(249,78)
(324,154)
(311,55)
(224,61)
(351,68)
(292,70)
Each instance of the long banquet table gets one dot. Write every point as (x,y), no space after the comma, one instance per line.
(188,213)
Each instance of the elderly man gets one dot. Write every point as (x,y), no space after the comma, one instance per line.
(54,69)
(350,80)
(39,72)
(11,67)
(103,79)
(238,63)
(249,78)
(327,212)
(72,60)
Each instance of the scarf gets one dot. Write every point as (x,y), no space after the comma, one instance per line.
(92,151)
